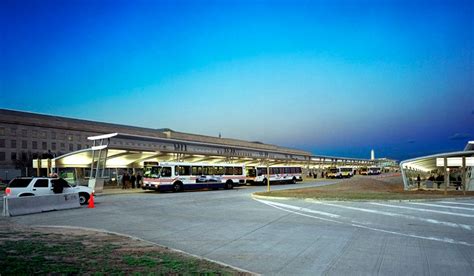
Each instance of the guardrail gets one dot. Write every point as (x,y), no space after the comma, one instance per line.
(16,206)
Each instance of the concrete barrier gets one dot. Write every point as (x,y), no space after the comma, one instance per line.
(15,206)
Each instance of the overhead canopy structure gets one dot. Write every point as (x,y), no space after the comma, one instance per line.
(441,162)
(116,158)
(432,162)
(119,150)
(469,146)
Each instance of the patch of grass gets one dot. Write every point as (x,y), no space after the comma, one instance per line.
(26,251)
(140,261)
(363,188)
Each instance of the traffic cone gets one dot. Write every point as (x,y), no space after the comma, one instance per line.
(91,201)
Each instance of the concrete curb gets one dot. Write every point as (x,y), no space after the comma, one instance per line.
(145,241)
(121,193)
(361,200)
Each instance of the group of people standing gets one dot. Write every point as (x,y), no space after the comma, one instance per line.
(131,181)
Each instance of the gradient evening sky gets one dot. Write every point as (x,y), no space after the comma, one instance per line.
(330,77)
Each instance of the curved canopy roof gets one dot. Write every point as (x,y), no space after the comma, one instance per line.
(128,155)
(429,163)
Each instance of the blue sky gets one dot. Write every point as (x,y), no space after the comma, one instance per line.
(330,77)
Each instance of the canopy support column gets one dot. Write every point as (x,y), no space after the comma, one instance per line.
(446,175)
(96,180)
(463,178)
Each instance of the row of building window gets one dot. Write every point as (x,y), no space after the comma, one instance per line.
(14,156)
(43,134)
(37,145)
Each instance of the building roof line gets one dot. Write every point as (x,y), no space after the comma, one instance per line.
(173,140)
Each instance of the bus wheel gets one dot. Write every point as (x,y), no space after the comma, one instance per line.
(177,187)
(293,181)
(229,185)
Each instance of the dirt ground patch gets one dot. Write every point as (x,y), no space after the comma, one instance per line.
(38,250)
(364,188)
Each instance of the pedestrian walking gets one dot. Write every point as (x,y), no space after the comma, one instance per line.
(126,180)
(132,180)
(139,180)
(122,180)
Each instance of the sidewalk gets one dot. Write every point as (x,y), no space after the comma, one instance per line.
(116,191)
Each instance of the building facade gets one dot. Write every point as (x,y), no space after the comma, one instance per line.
(27,136)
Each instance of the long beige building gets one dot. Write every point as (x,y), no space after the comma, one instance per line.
(27,136)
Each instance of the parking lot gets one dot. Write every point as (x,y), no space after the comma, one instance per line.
(290,237)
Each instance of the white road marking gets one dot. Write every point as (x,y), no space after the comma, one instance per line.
(459,203)
(424,210)
(450,224)
(294,212)
(300,209)
(442,206)
(445,240)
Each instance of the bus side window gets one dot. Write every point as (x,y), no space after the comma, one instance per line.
(185,170)
(166,172)
(219,170)
(237,170)
(199,171)
(182,170)
(196,170)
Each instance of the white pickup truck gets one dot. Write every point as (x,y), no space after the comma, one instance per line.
(33,186)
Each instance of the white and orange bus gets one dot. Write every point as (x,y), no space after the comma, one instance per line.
(283,174)
(180,176)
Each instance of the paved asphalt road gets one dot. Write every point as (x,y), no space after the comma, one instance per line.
(291,237)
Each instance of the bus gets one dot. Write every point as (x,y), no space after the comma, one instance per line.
(346,172)
(374,170)
(334,173)
(282,174)
(370,170)
(180,176)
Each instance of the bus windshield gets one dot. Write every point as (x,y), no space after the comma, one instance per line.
(251,172)
(334,170)
(152,172)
